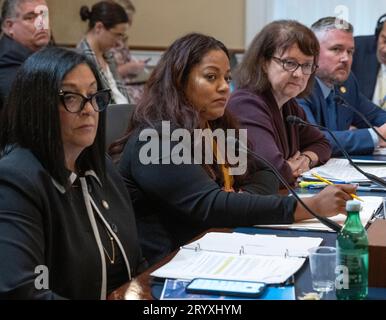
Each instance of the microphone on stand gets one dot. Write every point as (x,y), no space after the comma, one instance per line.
(293,120)
(340,101)
(327,222)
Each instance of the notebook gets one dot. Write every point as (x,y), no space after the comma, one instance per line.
(236,256)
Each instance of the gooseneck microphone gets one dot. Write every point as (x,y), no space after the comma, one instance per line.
(342,102)
(327,222)
(293,120)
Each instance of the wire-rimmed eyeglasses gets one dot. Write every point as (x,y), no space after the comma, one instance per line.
(291,66)
(75,102)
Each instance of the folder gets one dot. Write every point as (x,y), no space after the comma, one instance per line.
(235,256)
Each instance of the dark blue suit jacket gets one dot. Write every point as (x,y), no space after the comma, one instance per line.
(356,142)
(365,65)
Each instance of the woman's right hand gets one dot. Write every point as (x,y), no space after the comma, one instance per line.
(298,164)
(329,202)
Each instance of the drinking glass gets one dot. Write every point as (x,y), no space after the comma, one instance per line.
(322,264)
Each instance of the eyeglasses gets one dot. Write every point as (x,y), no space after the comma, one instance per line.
(75,102)
(292,66)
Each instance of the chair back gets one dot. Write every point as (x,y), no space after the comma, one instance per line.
(117,121)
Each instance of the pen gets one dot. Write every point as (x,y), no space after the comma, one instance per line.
(331,180)
(371,189)
(312,184)
(330,183)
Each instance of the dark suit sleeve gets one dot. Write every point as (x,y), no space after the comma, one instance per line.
(355,142)
(189,191)
(262,182)
(372,112)
(22,240)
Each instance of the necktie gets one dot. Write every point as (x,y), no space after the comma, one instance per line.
(331,112)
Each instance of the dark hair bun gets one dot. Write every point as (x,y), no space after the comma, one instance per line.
(85,13)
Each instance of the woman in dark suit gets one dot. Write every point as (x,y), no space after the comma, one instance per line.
(177,194)
(67,227)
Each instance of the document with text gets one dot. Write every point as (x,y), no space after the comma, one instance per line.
(340,169)
(236,256)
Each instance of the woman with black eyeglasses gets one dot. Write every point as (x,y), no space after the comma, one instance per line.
(278,67)
(67,227)
(108,26)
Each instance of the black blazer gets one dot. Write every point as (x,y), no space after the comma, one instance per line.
(365,65)
(175,202)
(42,225)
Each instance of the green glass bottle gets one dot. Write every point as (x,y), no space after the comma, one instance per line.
(352,247)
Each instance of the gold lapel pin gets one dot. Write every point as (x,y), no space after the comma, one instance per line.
(105,205)
(343,89)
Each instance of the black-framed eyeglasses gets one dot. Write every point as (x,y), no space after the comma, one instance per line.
(291,66)
(75,102)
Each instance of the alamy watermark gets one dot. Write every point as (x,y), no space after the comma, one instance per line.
(42,279)
(180,146)
(342,14)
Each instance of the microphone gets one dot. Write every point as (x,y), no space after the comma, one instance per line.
(327,222)
(340,101)
(293,120)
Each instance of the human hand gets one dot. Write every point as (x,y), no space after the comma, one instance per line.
(332,200)
(298,164)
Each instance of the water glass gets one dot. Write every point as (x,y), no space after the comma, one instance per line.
(322,264)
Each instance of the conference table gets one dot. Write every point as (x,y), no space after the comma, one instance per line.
(146,287)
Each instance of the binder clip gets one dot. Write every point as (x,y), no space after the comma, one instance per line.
(197,248)
(242,251)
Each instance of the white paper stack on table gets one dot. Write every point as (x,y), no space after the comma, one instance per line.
(237,256)
(380,152)
(340,169)
(370,206)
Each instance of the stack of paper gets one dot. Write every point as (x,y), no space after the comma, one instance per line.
(236,256)
(340,169)
(369,207)
(380,152)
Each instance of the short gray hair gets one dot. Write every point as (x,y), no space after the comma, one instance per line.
(332,23)
(9,9)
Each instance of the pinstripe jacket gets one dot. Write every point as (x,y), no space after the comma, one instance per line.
(85,48)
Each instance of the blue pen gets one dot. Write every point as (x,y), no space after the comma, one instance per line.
(317,186)
(371,189)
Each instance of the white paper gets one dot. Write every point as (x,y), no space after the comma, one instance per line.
(340,169)
(190,264)
(257,244)
(380,152)
(237,256)
(369,207)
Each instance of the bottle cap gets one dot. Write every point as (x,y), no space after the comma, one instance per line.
(353,205)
